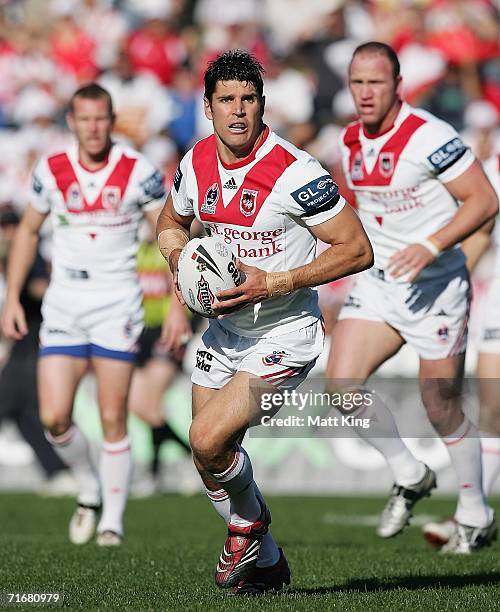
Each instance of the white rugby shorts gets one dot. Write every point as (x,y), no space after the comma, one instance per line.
(284,361)
(84,320)
(489,336)
(431,316)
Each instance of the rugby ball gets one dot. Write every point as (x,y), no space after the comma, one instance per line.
(206,265)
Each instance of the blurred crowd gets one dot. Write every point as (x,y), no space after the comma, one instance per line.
(151,54)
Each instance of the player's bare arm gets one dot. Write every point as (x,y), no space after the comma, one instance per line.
(479,205)
(350,251)
(176,329)
(21,259)
(476,245)
(172,231)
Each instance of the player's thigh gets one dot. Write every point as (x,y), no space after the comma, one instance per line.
(200,397)
(359,347)
(113,377)
(488,378)
(58,379)
(222,415)
(148,387)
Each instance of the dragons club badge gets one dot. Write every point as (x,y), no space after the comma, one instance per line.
(248,202)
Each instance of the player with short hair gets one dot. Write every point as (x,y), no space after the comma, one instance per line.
(409,172)
(269,201)
(96,193)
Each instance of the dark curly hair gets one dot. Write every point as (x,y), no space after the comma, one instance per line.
(234,65)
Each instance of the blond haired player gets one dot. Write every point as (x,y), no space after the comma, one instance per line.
(96,193)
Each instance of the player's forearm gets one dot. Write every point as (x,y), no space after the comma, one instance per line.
(21,257)
(477,244)
(172,238)
(474,213)
(166,222)
(337,261)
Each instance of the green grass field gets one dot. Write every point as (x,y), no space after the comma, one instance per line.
(172,545)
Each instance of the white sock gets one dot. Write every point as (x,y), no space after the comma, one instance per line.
(383,435)
(73,448)
(464,447)
(269,553)
(115,470)
(490,455)
(237,480)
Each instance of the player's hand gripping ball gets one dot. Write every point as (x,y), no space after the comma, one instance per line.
(205,266)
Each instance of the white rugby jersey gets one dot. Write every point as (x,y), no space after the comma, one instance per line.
(261,207)
(95,215)
(399,180)
(492,168)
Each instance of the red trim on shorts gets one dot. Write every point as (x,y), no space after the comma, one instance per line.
(279,378)
(457,349)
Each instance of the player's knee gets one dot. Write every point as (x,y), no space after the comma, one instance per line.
(205,444)
(113,420)
(489,419)
(348,401)
(55,422)
(440,418)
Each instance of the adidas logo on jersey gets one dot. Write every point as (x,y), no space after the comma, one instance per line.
(230,184)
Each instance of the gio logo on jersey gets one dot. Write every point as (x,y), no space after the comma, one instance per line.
(317,196)
(447,155)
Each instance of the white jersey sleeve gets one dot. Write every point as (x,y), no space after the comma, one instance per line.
(441,148)
(309,192)
(182,204)
(152,190)
(40,188)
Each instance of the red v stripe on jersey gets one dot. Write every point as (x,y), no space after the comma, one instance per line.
(261,178)
(394,146)
(116,185)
